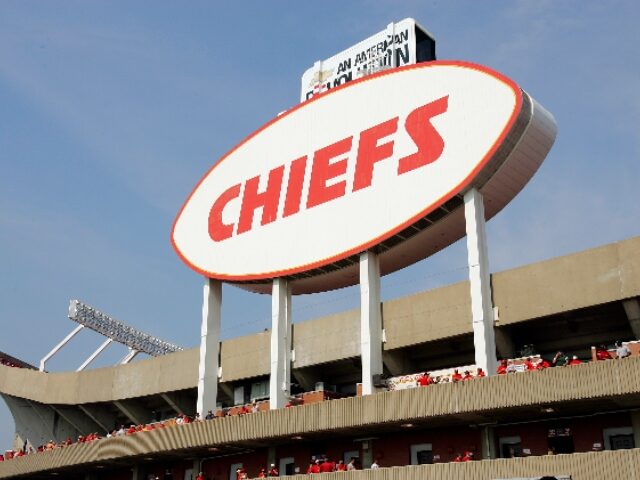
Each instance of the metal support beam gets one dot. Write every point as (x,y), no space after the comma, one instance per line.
(632,309)
(57,348)
(94,355)
(99,416)
(280,379)
(488,442)
(129,356)
(209,346)
(83,424)
(180,403)
(480,283)
(135,413)
(306,378)
(370,320)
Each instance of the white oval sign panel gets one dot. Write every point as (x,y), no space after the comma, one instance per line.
(345,171)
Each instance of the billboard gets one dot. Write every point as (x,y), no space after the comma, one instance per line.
(402,43)
(379,163)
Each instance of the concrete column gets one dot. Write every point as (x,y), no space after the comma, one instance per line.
(280,380)
(137,472)
(209,346)
(481,304)
(635,424)
(488,443)
(370,320)
(272,456)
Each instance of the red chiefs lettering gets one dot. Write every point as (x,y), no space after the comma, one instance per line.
(327,172)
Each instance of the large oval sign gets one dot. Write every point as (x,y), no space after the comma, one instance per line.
(378,163)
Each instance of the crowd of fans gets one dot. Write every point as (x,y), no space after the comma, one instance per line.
(560,359)
(9,363)
(323,464)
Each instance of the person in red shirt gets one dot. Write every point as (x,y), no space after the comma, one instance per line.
(575,361)
(327,466)
(273,471)
(315,467)
(456,377)
(480,373)
(262,473)
(502,368)
(341,467)
(602,353)
(200,476)
(529,364)
(1,458)
(468,456)
(467,375)
(422,380)
(542,364)
(457,458)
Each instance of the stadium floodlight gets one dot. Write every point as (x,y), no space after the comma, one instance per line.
(111,328)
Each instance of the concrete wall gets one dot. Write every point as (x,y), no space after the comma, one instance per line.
(605,274)
(592,277)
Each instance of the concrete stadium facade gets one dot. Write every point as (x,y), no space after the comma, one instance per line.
(567,303)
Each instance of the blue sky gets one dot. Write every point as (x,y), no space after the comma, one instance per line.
(111,111)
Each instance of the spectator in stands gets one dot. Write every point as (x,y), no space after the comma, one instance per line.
(209,415)
(273,471)
(254,407)
(200,476)
(467,375)
(425,379)
(575,361)
(341,467)
(560,359)
(480,373)
(1,458)
(602,353)
(456,376)
(528,364)
(352,464)
(457,458)
(327,465)
(622,351)
(502,367)
(468,456)
(262,473)
(375,465)
(542,364)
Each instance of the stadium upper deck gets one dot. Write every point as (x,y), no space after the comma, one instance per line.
(568,303)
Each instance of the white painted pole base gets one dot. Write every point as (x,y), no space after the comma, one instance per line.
(370,320)
(280,380)
(480,283)
(209,346)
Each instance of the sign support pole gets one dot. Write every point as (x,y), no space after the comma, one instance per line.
(209,346)
(280,379)
(370,320)
(480,283)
